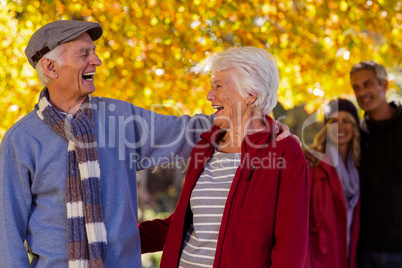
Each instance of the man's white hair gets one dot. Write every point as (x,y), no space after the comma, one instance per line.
(255,73)
(56,55)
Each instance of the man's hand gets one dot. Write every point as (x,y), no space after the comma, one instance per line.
(285,132)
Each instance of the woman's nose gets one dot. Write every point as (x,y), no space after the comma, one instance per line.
(210,95)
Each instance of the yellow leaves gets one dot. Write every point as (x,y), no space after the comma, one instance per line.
(343,6)
(341,38)
(120,61)
(399,17)
(285,95)
(332,5)
(115,45)
(268,9)
(281,16)
(311,11)
(332,21)
(100,6)
(284,40)
(312,106)
(149,47)
(211,3)
(31,9)
(396,32)
(102,18)
(233,18)
(147,92)
(154,21)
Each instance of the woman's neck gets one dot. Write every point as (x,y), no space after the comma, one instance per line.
(233,138)
(343,152)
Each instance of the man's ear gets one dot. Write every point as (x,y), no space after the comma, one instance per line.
(385,85)
(49,67)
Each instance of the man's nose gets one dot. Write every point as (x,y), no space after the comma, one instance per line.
(95,60)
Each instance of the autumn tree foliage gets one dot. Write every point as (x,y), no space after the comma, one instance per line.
(153,50)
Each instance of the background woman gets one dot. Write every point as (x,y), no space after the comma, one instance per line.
(334,203)
(244,201)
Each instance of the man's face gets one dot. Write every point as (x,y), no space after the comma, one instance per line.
(76,77)
(369,92)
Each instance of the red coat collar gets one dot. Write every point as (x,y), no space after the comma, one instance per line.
(252,142)
(325,164)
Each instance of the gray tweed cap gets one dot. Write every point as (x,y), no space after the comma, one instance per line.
(51,35)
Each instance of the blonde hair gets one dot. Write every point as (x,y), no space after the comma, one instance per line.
(320,140)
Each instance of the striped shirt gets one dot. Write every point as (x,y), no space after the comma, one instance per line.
(207,203)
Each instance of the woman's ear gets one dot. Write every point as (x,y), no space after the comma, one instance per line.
(49,67)
(251,99)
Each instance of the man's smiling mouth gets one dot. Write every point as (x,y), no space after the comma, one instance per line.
(88,76)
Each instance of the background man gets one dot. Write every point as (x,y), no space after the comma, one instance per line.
(380,241)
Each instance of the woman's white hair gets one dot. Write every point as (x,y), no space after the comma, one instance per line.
(56,55)
(255,73)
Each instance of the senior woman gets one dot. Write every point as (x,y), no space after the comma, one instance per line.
(244,201)
(334,203)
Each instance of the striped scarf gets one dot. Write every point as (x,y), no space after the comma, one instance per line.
(87,244)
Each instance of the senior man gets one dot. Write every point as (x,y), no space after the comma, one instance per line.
(68,168)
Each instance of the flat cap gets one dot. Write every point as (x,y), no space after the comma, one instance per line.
(51,35)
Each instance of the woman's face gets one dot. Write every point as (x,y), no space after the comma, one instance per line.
(224,97)
(340,128)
